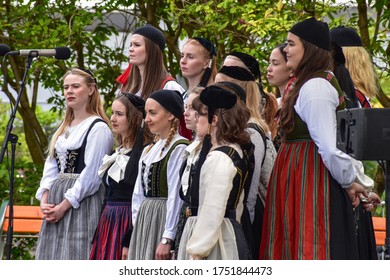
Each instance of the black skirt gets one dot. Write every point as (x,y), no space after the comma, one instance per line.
(343,239)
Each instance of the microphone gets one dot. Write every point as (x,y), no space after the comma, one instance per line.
(4,49)
(58,53)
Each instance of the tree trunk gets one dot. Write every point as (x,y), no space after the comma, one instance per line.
(383,98)
(35,136)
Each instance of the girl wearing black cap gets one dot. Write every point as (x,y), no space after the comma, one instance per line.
(198,63)
(156,202)
(146,72)
(268,102)
(70,190)
(221,177)
(361,70)
(311,193)
(363,219)
(191,157)
(264,153)
(118,172)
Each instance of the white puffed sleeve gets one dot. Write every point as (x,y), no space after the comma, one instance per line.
(316,105)
(216,182)
(99,143)
(174,201)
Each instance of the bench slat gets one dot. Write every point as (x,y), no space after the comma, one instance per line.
(24,225)
(379,224)
(380,237)
(27,219)
(25,212)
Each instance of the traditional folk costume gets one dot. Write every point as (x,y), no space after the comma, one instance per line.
(191,156)
(156,202)
(221,178)
(308,213)
(363,219)
(263,155)
(72,175)
(342,37)
(216,233)
(264,158)
(119,172)
(115,220)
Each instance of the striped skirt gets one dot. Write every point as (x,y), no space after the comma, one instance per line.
(307,214)
(114,222)
(70,238)
(148,229)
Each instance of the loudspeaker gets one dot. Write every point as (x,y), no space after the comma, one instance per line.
(364,133)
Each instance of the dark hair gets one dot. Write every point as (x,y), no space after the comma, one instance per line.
(314,60)
(269,107)
(134,118)
(154,73)
(232,122)
(343,77)
(198,106)
(281,49)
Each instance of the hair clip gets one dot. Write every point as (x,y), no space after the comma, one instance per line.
(89,72)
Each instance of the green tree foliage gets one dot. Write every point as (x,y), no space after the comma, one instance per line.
(27,174)
(256,27)
(48,24)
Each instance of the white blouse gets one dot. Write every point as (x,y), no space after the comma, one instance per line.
(173,167)
(99,143)
(316,105)
(171,85)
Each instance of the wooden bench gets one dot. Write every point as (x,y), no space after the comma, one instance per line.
(26,223)
(379,224)
(27,220)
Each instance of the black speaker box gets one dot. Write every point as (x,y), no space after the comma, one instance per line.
(364,133)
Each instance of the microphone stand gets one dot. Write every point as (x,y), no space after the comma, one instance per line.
(13,139)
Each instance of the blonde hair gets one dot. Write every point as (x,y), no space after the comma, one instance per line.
(94,106)
(196,90)
(359,64)
(206,55)
(241,63)
(253,96)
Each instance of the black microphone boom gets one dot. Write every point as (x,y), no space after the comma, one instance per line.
(58,53)
(4,49)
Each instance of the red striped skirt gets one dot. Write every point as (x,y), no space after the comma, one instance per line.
(297,215)
(114,222)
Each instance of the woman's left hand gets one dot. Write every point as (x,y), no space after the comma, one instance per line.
(57,212)
(372,200)
(163,251)
(355,191)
